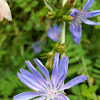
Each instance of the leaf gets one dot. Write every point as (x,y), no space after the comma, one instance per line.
(73,69)
(96,71)
(34,4)
(88,92)
(90,96)
(23,4)
(73,97)
(92,89)
(84,89)
(76,90)
(28,9)
(81,98)
(50,6)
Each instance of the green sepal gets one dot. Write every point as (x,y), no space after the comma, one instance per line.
(66,7)
(67,18)
(50,6)
(61,48)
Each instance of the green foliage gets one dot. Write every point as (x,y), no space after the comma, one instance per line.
(29,25)
(96,71)
(83,92)
(16,41)
(88,92)
(75,54)
(73,97)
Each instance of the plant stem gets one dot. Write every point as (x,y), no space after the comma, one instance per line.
(62,35)
(63,29)
(88,77)
(62,39)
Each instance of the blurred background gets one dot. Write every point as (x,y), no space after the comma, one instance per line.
(29,25)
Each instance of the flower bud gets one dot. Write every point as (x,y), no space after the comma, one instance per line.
(49,63)
(66,7)
(61,48)
(67,18)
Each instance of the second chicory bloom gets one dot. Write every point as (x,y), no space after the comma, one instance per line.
(54,32)
(79,17)
(37,48)
(47,88)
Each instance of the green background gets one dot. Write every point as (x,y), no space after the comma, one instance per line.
(28,26)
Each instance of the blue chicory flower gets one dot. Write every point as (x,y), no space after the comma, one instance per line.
(54,32)
(47,88)
(79,17)
(37,48)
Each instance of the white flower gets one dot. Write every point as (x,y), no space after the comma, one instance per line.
(5,11)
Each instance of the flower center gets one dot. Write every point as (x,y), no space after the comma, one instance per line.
(51,94)
(78,18)
(55,35)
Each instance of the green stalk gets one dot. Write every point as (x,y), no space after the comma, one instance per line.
(88,77)
(62,35)
(63,29)
(62,39)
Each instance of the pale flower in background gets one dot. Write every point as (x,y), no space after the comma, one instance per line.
(5,11)
(54,32)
